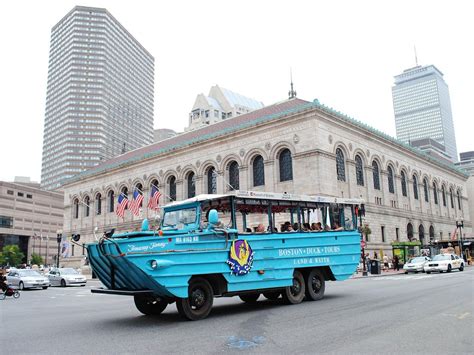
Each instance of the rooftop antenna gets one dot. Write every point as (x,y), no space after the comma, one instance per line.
(124,150)
(291,93)
(416,57)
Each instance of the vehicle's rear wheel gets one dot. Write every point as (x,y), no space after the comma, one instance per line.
(428,272)
(250,297)
(461,268)
(2,296)
(315,285)
(45,287)
(406,272)
(150,305)
(295,293)
(16,294)
(273,295)
(449,268)
(63,283)
(21,286)
(198,305)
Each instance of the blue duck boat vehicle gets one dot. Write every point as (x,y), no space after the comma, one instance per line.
(241,244)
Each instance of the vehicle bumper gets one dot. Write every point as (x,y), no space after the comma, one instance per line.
(35,284)
(414,269)
(436,268)
(75,282)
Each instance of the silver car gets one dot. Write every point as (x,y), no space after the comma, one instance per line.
(66,277)
(27,278)
(416,264)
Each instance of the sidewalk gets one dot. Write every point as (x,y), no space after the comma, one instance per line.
(390,272)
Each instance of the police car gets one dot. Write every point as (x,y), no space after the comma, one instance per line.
(444,262)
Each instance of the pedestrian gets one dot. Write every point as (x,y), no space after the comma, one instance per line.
(367,261)
(385,262)
(396,263)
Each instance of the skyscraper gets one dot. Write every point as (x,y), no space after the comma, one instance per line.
(100,94)
(423,108)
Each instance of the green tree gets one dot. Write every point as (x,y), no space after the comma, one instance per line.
(11,255)
(366,231)
(36,259)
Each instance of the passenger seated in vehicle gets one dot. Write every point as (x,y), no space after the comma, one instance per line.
(260,228)
(336,227)
(316,227)
(296,226)
(306,227)
(284,226)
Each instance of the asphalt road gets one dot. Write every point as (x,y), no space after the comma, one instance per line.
(379,315)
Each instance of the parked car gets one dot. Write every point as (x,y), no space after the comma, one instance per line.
(27,278)
(444,262)
(66,277)
(416,264)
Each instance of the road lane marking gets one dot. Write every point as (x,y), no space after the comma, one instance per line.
(464,315)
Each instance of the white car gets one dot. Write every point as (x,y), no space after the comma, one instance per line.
(27,278)
(416,264)
(444,262)
(66,277)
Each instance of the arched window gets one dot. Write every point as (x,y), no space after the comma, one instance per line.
(391,187)
(421,234)
(258,171)
(111,200)
(415,187)
(443,192)
(87,202)
(191,181)
(410,231)
(75,206)
(286,165)
(340,165)
(172,188)
(432,233)
(435,193)
(452,197)
(359,171)
(211,180)
(98,204)
(459,200)
(376,174)
(425,189)
(233,175)
(404,183)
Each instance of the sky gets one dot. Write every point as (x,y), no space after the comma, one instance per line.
(344,53)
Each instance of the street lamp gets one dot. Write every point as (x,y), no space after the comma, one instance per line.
(59,238)
(460,225)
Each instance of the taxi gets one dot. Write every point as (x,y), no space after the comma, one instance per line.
(444,262)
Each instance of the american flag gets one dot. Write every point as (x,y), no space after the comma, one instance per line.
(154,198)
(136,202)
(121,205)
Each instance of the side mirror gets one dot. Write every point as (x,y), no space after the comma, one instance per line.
(213,217)
(109,233)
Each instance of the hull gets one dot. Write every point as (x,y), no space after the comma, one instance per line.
(127,263)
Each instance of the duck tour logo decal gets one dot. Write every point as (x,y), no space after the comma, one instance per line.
(240,257)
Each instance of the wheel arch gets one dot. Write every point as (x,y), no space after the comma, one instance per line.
(326,271)
(217,281)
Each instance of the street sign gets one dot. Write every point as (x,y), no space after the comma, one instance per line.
(362,243)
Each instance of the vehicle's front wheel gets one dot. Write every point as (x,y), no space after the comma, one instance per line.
(461,268)
(295,293)
(198,305)
(315,285)
(449,268)
(150,305)
(428,272)
(45,287)
(21,286)
(16,294)
(250,297)
(63,283)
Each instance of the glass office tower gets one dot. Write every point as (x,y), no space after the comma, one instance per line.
(100,91)
(423,108)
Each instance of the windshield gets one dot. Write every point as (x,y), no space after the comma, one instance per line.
(441,257)
(178,219)
(68,272)
(417,260)
(28,273)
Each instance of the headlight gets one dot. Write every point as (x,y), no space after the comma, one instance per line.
(154,264)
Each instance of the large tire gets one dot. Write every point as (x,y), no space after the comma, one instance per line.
(272,295)
(21,286)
(250,297)
(198,305)
(45,287)
(428,272)
(315,285)
(2,295)
(295,294)
(449,268)
(63,283)
(150,305)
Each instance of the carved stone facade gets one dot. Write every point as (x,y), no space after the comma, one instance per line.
(311,133)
